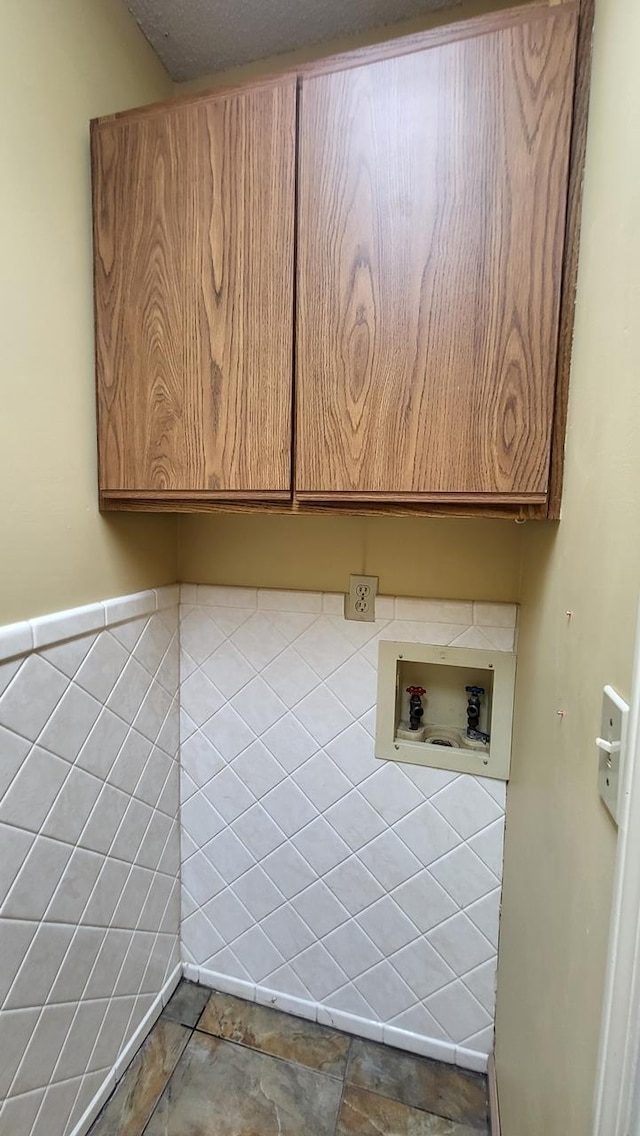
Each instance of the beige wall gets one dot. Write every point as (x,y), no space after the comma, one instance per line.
(560,842)
(445,559)
(62,64)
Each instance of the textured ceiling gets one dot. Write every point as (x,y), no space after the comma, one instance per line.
(194,37)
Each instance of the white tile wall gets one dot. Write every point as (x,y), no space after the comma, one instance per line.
(315,877)
(89,851)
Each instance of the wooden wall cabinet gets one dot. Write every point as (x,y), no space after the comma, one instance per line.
(427,182)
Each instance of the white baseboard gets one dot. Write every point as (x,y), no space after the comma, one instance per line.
(128,1053)
(338,1019)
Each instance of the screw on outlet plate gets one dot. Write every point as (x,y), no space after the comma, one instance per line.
(360,600)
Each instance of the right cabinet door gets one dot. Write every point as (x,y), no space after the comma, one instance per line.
(432,196)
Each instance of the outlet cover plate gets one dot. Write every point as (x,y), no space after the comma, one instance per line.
(360,600)
(611,744)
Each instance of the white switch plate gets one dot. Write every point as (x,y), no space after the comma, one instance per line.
(611,745)
(360,600)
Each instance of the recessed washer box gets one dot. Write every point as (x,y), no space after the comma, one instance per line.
(444,672)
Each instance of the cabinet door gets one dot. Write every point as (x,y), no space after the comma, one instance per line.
(431,219)
(194,237)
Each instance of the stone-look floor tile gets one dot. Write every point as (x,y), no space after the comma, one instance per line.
(187,1003)
(416,1081)
(221,1089)
(274,1032)
(365,1114)
(127,1112)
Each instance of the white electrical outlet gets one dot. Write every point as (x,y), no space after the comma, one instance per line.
(360,600)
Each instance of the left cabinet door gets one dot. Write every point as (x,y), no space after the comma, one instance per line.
(194,260)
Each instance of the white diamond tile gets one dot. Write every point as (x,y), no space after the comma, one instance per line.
(287,931)
(321,781)
(228,915)
(354,819)
(15,938)
(228,732)
(419,1021)
(485,914)
(258,769)
(320,909)
(258,833)
(257,893)
(289,807)
(463,875)
(99,752)
(228,669)
(130,762)
(495,614)
(389,860)
(290,677)
(473,637)
(201,879)
(259,640)
(257,953)
(200,635)
(37,879)
(258,706)
(129,692)
(354,684)
(31,697)
(352,949)
(352,751)
(387,925)
(422,968)
(291,624)
(101,668)
(228,855)
(70,724)
(104,820)
(8,672)
(287,869)
(457,1007)
(324,646)
(322,715)
(424,901)
(460,942)
(14,750)
(75,887)
(225,962)
(354,885)
(385,991)
(68,656)
(40,967)
(229,794)
(289,742)
(489,846)
(391,793)
(14,846)
(199,698)
(19,1113)
(427,834)
(72,806)
(482,984)
(321,847)
(318,971)
(200,759)
(466,806)
(33,790)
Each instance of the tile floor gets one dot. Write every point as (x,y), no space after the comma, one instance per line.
(214,1065)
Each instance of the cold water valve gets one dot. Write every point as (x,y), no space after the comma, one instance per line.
(416,709)
(473,714)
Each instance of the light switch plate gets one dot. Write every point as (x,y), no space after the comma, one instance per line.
(611,744)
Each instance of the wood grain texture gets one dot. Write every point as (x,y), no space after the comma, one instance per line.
(194,240)
(431,222)
(203,503)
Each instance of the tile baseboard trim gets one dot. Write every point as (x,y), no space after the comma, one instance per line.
(22,638)
(118,1070)
(337,1019)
